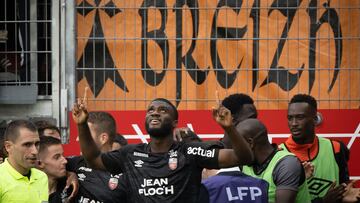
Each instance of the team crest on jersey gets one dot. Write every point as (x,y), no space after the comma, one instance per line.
(113,183)
(173,161)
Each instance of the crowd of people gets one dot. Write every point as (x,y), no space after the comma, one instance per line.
(244,165)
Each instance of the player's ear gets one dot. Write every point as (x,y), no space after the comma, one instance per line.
(175,123)
(8,145)
(315,118)
(250,141)
(104,137)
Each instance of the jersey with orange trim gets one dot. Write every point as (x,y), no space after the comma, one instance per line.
(329,159)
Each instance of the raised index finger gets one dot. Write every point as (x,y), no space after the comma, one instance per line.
(217,99)
(85,93)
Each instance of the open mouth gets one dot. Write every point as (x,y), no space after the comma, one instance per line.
(32,160)
(296,131)
(154,121)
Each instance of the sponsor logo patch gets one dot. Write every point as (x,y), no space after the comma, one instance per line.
(317,185)
(81,176)
(138,163)
(140,154)
(201,152)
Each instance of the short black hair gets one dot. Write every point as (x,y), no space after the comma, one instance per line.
(236,101)
(172,106)
(120,139)
(42,125)
(304,98)
(105,123)
(12,130)
(47,141)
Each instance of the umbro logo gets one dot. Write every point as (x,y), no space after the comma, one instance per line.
(138,163)
(81,176)
(318,185)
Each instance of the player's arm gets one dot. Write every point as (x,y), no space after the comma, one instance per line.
(285,196)
(72,182)
(342,154)
(288,176)
(90,151)
(241,153)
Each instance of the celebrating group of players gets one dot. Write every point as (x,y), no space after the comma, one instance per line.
(305,168)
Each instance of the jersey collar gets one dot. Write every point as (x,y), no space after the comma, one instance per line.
(259,168)
(16,175)
(305,152)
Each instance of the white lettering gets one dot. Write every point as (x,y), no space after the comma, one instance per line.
(242,192)
(85,169)
(169,190)
(154,182)
(255,192)
(87,200)
(157,186)
(157,191)
(230,196)
(201,152)
(141,154)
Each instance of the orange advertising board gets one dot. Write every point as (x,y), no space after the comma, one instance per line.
(129,52)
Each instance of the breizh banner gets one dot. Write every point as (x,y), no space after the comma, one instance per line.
(129,52)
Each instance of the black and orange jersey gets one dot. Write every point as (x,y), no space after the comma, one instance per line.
(173,176)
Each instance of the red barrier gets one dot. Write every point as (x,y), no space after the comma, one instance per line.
(337,124)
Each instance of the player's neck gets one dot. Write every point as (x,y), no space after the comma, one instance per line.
(308,139)
(263,153)
(106,148)
(52,184)
(23,171)
(161,145)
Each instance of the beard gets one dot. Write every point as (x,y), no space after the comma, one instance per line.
(164,130)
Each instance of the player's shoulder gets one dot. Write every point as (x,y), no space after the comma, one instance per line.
(205,144)
(141,149)
(38,174)
(135,147)
(75,159)
(338,146)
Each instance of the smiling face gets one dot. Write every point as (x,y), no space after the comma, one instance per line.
(160,119)
(52,161)
(301,122)
(23,151)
